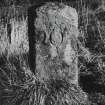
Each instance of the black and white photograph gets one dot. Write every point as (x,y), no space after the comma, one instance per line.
(52,52)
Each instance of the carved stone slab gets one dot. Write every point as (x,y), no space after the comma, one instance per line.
(56,30)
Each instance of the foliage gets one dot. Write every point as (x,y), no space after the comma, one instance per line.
(19,86)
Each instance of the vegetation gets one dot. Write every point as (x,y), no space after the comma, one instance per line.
(18,85)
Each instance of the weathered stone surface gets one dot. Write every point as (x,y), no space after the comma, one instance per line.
(56,28)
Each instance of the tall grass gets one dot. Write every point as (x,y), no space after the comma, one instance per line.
(19,86)
(19,37)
